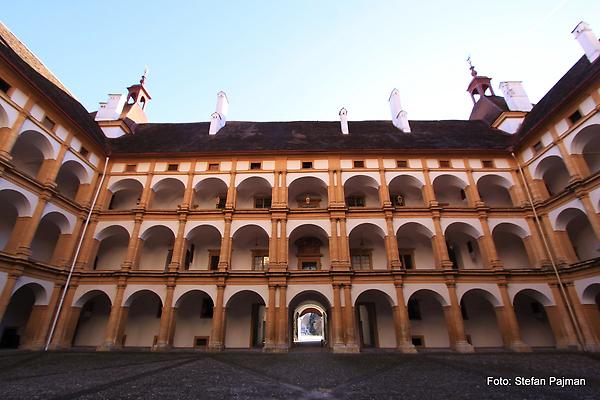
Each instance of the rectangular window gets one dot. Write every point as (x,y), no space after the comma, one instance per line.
(220,203)
(407,259)
(130,167)
(309,265)
(401,163)
(255,165)
(4,86)
(359,164)
(418,341)
(172,167)
(189,257)
(84,152)
(397,200)
(200,341)
(262,202)
(414,312)
(260,262)
(213,260)
(48,123)
(487,163)
(444,163)
(213,167)
(307,164)
(355,201)
(360,259)
(576,116)
(537,147)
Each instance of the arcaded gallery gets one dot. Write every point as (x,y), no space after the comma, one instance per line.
(482,233)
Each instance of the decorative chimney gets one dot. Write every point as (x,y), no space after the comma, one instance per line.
(111,109)
(587,40)
(515,96)
(344,121)
(219,117)
(399,116)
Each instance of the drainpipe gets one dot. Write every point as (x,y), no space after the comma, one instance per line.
(573,320)
(85,226)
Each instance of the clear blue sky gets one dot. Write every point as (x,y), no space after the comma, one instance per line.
(301,60)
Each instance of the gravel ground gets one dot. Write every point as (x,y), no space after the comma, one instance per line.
(253,375)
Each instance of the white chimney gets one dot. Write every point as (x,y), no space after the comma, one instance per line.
(218,119)
(399,116)
(111,109)
(587,40)
(344,121)
(515,96)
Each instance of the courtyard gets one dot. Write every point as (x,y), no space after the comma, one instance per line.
(296,375)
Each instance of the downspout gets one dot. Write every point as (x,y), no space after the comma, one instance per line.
(573,321)
(68,282)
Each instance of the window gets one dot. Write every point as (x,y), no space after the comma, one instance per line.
(576,116)
(262,202)
(406,257)
(418,341)
(213,166)
(309,266)
(414,312)
(4,86)
(255,165)
(397,200)
(84,152)
(172,167)
(201,341)
(206,310)
(361,259)
(48,123)
(355,201)
(537,147)
(444,163)
(260,260)
(307,164)
(130,167)
(220,202)
(401,163)
(487,163)
(359,164)
(189,257)
(213,260)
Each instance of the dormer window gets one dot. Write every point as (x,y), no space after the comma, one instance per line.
(172,167)
(359,164)
(255,165)
(307,164)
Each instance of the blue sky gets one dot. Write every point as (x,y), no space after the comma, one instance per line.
(301,60)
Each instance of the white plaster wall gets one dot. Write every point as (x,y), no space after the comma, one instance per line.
(31,197)
(534,332)
(65,230)
(181,290)
(386,334)
(19,97)
(554,214)
(390,175)
(91,329)
(111,253)
(143,322)
(109,290)
(11,112)
(133,288)
(323,289)
(387,288)
(43,298)
(239,223)
(481,324)
(373,175)
(543,288)
(324,224)
(238,325)
(191,224)
(432,325)
(291,177)
(28,125)
(188,322)
(491,288)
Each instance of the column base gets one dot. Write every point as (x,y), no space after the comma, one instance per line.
(352,348)
(215,347)
(592,347)
(162,347)
(108,347)
(463,347)
(345,349)
(407,348)
(519,347)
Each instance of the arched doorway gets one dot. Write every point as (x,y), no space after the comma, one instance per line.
(17,328)
(193,320)
(533,320)
(309,314)
(245,321)
(144,310)
(95,309)
(375,319)
(427,319)
(478,309)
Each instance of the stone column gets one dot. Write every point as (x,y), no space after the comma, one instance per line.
(590,212)
(428,192)
(336,311)
(507,322)
(216,341)
(231,192)
(487,239)
(111,338)
(49,170)
(273,241)
(455,323)
(471,191)
(282,320)
(7,291)
(188,195)
(225,254)
(134,243)
(40,319)
(516,192)
(344,250)
(270,338)
(589,336)
(166,320)
(334,248)
(10,135)
(283,244)
(535,243)
(384,192)
(402,323)
(178,252)
(24,249)
(89,246)
(350,322)
(440,250)
(393,255)
(560,321)
(61,338)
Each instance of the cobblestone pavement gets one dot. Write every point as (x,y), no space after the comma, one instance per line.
(251,375)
